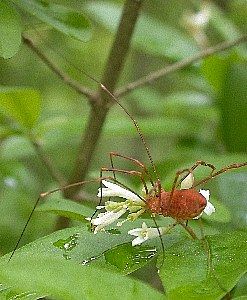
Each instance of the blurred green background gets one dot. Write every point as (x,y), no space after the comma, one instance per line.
(198,113)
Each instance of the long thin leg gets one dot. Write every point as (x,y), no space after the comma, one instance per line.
(223,170)
(211,269)
(160,237)
(187,171)
(188,229)
(133,160)
(43,195)
(114,170)
(133,173)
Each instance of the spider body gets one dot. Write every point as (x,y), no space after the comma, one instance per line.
(181,204)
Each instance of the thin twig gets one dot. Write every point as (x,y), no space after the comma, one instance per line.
(58,71)
(179,65)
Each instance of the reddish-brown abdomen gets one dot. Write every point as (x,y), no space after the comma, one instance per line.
(183,205)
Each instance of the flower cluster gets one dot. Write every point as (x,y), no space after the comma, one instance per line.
(134,205)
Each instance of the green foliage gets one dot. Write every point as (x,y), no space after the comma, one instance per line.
(22,105)
(62,207)
(228,76)
(226,269)
(62,271)
(60,17)
(157,38)
(10,30)
(198,113)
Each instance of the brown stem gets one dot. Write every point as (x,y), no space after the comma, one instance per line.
(99,108)
(179,65)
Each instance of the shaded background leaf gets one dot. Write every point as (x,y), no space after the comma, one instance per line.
(62,18)
(10,30)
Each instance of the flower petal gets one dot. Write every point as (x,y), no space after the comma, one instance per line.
(138,240)
(135,231)
(209,209)
(107,218)
(144,233)
(114,190)
(187,183)
(205,194)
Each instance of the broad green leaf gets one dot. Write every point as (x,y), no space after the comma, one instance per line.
(240,290)
(68,280)
(10,31)
(85,243)
(233,107)
(186,275)
(85,249)
(151,36)
(66,208)
(233,191)
(128,258)
(62,18)
(22,105)
(214,69)
(66,252)
(238,10)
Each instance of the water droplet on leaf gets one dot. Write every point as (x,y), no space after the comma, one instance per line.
(67,244)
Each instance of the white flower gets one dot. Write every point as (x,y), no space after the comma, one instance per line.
(188,182)
(114,190)
(144,233)
(201,18)
(114,210)
(209,209)
(106,218)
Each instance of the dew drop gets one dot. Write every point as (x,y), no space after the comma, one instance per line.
(67,244)
(24,295)
(87,261)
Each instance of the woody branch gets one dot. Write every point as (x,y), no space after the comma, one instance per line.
(151,77)
(100,102)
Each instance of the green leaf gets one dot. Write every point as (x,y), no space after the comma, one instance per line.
(128,258)
(214,69)
(55,262)
(226,28)
(228,77)
(151,36)
(22,105)
(66,208)
(185,272)
(6,132)
(10,31)
(240,290)
(62,18)
(233,191)
(233,107)
(67,280)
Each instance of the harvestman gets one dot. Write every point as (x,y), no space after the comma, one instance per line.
(180,204)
